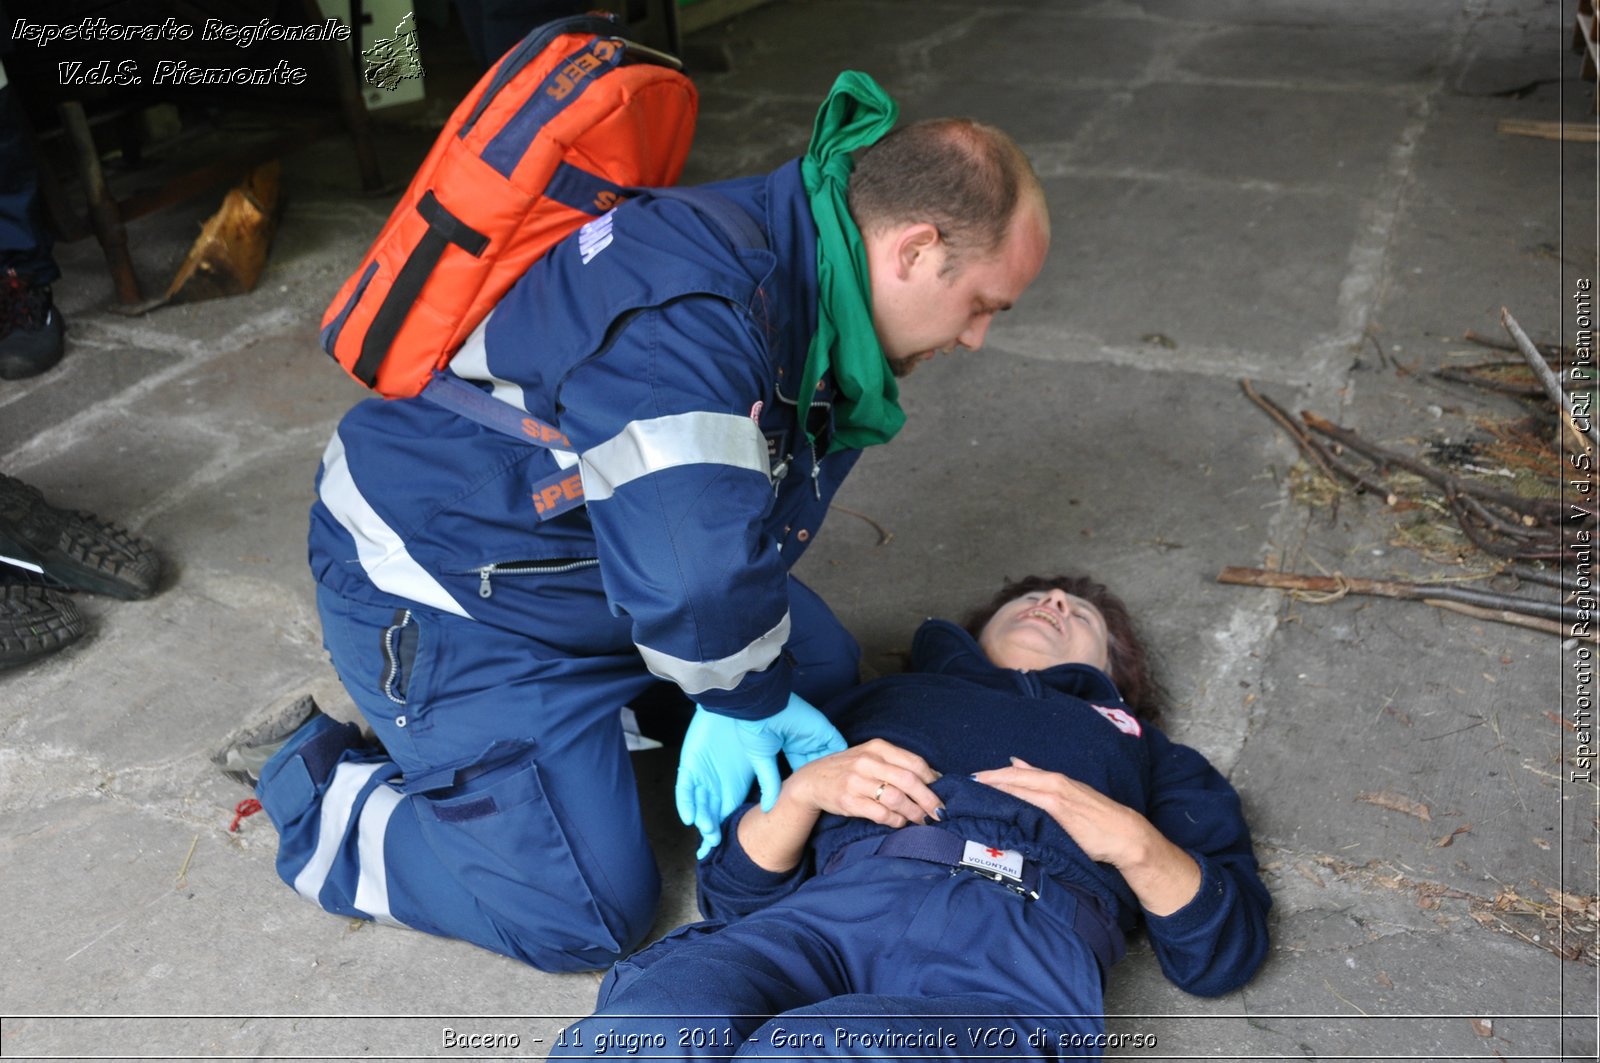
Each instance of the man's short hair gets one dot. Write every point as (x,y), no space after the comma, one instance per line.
(962,176)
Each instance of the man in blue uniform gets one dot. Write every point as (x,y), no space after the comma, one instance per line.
(714,396)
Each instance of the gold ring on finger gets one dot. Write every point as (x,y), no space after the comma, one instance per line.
(877,795)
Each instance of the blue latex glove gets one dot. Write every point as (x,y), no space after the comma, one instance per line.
(714,775)
(803,733)
(722,755)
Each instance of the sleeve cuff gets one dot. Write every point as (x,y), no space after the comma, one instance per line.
(1200,913)
(757,696)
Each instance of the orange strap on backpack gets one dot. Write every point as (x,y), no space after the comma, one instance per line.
(555,134)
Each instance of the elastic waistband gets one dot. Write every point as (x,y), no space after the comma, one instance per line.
(935,845)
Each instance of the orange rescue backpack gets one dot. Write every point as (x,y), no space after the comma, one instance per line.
(558,132)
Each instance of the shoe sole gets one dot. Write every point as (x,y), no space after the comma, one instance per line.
(104,558)
(75,548)
(35,622)
(278,724)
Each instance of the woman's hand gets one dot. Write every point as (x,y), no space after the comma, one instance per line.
(1164,877)
(876,780)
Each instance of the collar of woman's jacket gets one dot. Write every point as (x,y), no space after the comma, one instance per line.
(943,648)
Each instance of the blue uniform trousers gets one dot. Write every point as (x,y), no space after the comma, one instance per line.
(25,241)
(883,957)
(498,804)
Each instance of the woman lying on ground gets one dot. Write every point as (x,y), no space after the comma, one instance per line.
(960,879)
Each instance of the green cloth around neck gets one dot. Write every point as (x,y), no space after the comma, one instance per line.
(866,409)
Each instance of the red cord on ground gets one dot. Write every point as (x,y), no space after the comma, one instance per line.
(248,807)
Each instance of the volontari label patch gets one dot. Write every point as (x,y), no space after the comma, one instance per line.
(987,858)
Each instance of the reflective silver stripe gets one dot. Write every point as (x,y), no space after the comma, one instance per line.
(337,800)
(697,676)
(660,443)
(372,887)
(381,550)
(471,362)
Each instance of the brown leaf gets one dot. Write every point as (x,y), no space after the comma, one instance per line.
(1444,842)
(1384,980)
(1397,803)
(1483,1027)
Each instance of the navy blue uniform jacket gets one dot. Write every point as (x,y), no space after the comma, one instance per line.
(962,715)
(669,357)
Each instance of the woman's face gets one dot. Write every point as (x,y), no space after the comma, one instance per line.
(1043,629)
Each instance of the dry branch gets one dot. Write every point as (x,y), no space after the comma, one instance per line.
(1325,460)
(1544,511)
(1341,585)
(1541,369)
(1472,374)
(1548,130)
(1500,616)
(1555,352)
(1533,575)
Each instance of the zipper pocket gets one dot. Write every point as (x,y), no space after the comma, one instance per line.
(528,568)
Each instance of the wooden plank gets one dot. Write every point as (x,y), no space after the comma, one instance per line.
(1522,127)
(228,257)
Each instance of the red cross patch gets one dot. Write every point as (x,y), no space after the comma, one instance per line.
(1120,719)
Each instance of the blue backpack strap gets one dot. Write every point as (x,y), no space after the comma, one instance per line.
(454,394)
(563,490)
(552,495)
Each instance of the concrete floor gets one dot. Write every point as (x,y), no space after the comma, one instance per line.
(1268,189)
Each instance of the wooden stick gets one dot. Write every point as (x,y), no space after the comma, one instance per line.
(1465,375)
(1577,434)
(1282,417)
(1329,464)
(1527,127)
(1547,549)
(1501,616)
(1496,523)
(1544,511)
(1541,369)
(1553,351)
(1294,581)
(1533,575)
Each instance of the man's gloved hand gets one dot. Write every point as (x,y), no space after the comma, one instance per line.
(803,733)
(722,755)
(714,774)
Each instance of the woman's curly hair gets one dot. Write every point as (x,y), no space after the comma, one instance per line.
(1130,665)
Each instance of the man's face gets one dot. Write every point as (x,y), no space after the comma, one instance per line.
(919,308)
